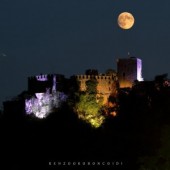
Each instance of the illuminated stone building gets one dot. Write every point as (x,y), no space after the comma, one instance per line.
(106,83)
(129,70)
(46,94)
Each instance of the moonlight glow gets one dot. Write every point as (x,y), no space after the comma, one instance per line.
(126,20)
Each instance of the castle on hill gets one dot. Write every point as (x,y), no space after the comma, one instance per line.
(47,91)
(128,71)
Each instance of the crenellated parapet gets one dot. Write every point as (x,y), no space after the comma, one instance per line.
(106,83)
(57,82)
(42,77)
(40,83)
(97,77)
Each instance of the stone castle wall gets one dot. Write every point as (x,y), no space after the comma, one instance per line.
(105,85)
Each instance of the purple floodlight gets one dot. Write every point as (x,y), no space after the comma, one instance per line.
(42,77)
(139,70)
(44,103)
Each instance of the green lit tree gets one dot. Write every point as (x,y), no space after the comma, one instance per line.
(88,107)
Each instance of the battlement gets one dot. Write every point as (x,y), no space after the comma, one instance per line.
(106,83)
(42,77)
(97,77)
(40,83)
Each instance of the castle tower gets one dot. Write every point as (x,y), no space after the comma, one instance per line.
(129,70)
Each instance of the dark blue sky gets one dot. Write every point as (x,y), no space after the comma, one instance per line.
(70,36)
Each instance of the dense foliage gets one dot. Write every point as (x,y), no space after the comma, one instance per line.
(89,107)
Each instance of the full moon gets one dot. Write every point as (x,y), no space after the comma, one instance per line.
(125,20)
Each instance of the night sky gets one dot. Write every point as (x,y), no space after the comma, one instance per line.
(69,36)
